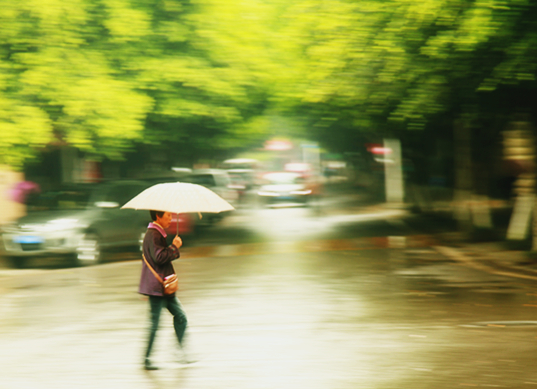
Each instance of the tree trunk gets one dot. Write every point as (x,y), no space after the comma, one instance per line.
(463,174)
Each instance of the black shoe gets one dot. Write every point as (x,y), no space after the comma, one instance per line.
(149,366)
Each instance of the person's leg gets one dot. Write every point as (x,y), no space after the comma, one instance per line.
(179,317)
(179,323)
(155,304)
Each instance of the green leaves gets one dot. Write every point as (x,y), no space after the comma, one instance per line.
(103,75)
(22,129)
(125,24)
(401,62)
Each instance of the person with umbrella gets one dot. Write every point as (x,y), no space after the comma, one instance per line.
(159,256)
(172,197)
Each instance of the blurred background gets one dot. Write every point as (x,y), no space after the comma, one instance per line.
(108,90)
(307,116)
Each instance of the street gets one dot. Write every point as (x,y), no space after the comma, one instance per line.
(350,297)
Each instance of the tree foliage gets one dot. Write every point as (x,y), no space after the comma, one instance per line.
(93,74)
(399,64)
(104,75)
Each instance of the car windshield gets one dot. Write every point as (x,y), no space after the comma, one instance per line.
(64,199)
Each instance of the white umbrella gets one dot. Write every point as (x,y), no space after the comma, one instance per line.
(179,197)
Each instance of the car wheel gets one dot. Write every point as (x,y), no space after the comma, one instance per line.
(89,250)
(17,262)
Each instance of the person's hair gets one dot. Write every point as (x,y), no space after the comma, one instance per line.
(154,214)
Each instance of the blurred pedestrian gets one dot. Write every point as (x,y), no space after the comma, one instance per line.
(160,256)
(22,190)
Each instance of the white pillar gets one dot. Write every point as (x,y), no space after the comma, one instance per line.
(393,169)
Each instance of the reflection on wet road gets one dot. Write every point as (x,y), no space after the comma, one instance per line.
(297,302)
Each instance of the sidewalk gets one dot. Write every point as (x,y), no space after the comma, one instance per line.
(487,250)
(492,257)
(490,252)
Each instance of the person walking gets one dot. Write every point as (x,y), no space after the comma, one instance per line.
(159,256)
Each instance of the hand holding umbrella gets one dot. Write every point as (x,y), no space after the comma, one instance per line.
(177,242)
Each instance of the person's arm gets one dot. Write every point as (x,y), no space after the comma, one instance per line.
(161,253)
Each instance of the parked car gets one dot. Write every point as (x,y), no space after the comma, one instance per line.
(284,188)
(78,222)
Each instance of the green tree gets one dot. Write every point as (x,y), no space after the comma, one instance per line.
(102,76)
(205,75)
(399,63)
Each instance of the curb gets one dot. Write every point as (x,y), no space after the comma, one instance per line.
(488,265)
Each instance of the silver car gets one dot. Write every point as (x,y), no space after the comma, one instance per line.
(79,222)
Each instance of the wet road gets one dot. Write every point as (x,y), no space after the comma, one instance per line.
(280,298)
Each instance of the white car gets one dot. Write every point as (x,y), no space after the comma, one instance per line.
(284,188)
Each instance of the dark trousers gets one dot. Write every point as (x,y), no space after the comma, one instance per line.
(156,303)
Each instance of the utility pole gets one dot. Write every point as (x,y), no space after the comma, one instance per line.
(393,170)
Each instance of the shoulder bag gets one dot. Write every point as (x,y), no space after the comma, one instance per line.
(170,284)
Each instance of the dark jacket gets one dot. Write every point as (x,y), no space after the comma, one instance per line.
(160,257)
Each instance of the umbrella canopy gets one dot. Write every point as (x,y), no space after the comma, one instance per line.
(179,197)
